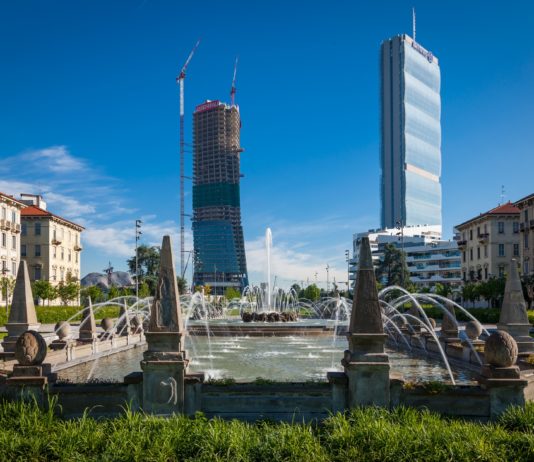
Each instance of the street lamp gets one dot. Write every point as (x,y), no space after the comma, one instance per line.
(137,237)
(347,259)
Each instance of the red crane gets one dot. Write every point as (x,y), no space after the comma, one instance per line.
(180,81)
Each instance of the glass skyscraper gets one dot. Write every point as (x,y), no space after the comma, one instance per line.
(219,249)
(411,134)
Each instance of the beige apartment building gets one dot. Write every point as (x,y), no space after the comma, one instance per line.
(488,243)
(9,238)
(526,232)
(50,245)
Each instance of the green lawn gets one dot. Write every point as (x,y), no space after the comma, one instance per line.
(363,435)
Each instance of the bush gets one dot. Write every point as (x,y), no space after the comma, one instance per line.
(53,314)
(362,435)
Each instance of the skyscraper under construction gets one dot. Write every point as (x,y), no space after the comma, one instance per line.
(219,248)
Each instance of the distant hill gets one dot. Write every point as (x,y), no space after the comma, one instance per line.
(118,279)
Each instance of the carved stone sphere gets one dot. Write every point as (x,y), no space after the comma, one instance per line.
(401,321)
(473,329)
(500,349)
(30,349)
(107,324)
(432,322)
(62,329)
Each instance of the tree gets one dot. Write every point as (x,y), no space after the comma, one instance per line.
(528,289)
(148,265)
(312,292)
(93,292)
(296,288)
(392,269)
(470,292)
(442,289)
(182,284)
(492,291)
(44,290)
(7,285)
(231,292)
(144,290)
(113,292)
(68,291)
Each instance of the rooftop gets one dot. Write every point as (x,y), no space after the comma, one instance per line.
(33,211)
(504,209)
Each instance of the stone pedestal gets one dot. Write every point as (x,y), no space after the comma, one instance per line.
(505,386)
(367,369)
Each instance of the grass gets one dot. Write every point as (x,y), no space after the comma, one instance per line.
(361,435)
(53,314)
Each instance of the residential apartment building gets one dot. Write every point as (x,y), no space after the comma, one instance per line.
(526,233)
(429,259)
(488,242)
(50,245)
(410,152)
(9,237)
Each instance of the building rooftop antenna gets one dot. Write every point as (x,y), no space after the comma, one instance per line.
(413,22)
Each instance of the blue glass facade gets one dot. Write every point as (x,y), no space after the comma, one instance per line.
(411,135)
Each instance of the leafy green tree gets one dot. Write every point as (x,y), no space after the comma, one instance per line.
(231,292)
(68,291)
(148,261)
(113,292)
(182,285)
(43,290)
(312,292)
(470,292)
(296,288)
(7,284)
(144,290)
(442,289)
(492,291)
(125,291)
(393,270)
(93,292)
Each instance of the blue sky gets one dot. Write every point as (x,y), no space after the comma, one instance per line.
(89,114)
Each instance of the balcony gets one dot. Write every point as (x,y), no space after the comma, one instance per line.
(522,227)
(462,243)
(56,241)
(15,227)
(4,224)
(483,237)
(78,248)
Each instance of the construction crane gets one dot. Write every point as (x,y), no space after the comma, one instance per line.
(180,81)
(233,89)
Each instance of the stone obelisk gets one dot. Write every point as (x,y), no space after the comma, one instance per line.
(514,318)
(164,363)
(22,316)
(366,363)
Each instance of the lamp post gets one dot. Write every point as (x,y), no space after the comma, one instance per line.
(347,259)
(137,237)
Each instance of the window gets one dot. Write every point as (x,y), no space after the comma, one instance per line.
(526,215)
(76,257)
(501,250)
(501,271)
(525,268)
(13,216)
(471,254)
(37,250)
(478,253)
(500,226)
(54,234)
(24,229)
(470,234)
(516,226)
(463,255)
(54,252)
(525,239)
(62,275)
(478,230)
(70,255)
(23,250)
(4,267)
(14,242)
(485,251)
(4,213)
(54,274)
(464,277)
(14,268)
(485,228)
(485,273)
(516,250)
(62,253)
(4,239)
(37,229)
(37,273)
